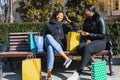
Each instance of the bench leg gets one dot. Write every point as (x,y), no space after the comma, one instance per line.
(1,71)
(10,63)
(110,62)
(103,57)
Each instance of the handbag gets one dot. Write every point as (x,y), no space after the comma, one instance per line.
(39,43)
(32,44)
(73,41)
(31,69)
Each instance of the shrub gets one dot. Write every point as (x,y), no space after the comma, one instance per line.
(113,31)
(5,29)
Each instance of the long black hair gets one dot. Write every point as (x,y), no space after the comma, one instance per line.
(90,8)
(56,13)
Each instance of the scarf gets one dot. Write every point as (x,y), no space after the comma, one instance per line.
(56,23)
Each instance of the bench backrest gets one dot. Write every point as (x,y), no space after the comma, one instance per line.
(19,41)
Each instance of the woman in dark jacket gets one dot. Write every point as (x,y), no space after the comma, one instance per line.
(55,41)
(93,37)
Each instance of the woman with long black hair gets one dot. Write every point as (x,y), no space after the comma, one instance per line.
(93,36)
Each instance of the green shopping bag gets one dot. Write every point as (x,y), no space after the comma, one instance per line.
(98,70)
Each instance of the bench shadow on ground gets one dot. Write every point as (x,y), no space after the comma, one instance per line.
(60,71)
(116,61)
(12,74)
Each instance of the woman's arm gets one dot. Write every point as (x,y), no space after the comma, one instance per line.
(72,23)
(74,27)
(100,31)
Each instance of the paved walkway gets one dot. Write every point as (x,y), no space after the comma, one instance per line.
(59,72)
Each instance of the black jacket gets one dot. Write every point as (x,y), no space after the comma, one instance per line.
(58,31)
(95,26)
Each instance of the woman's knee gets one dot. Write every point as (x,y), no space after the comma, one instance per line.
(48,36)
(49,48)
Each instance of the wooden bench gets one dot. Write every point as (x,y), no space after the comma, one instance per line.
(18,47)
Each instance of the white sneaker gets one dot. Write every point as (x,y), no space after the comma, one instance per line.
(67,63)
(74,76)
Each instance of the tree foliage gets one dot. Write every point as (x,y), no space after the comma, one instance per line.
(41,10)
(34,10)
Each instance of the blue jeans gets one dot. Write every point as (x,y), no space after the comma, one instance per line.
(52,47)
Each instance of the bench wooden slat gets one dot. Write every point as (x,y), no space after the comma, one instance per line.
(24,54)
(15,54)
(23,33)
(18,43)
(102,52)
(17,40)
(19,46)
(19,49)
(18,37)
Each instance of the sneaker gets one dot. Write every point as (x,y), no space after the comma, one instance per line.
(67,63)
(74,76)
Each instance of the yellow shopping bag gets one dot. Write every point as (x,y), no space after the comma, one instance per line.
(31,69)
(73,40)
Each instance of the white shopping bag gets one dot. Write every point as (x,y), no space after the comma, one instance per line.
(39,43)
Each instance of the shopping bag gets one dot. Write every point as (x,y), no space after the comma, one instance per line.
(31,69)
(39,43)
(32,44)
(98,70)
(73,40)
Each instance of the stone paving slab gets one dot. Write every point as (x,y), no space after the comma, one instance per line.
(59,72)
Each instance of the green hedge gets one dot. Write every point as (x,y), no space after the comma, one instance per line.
(113,34)
(5,29)
(113,31)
